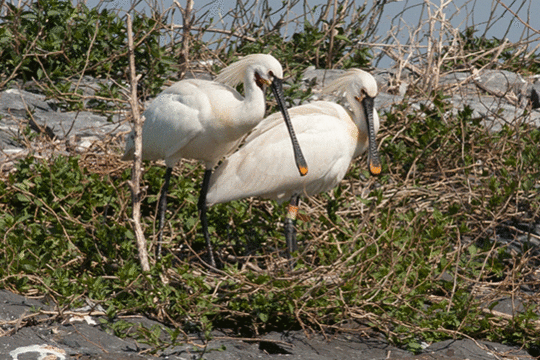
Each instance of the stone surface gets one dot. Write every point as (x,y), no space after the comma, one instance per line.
(69,132)
(315,79)
(16,104)
(502,81)
(84,128)
(455,78)
(535,96)
(87,340)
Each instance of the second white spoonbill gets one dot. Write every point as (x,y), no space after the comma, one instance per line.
(205,120)
(330,137)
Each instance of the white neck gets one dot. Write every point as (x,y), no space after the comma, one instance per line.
(254,100)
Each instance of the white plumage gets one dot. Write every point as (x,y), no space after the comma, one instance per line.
(330,137)
(261,166)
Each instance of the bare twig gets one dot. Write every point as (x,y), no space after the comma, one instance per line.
(87,61)
(517,17)
(137,162)
(332,34)
(219,31)
(188,19)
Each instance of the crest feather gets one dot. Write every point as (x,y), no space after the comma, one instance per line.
(344,83)
(234,74)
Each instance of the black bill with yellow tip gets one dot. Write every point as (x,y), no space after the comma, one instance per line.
(374,161)
(277,89)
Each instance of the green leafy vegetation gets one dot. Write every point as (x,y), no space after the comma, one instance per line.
(406,257)
(57,42)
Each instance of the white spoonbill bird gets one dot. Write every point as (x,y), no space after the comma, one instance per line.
(330,137)
(205,120)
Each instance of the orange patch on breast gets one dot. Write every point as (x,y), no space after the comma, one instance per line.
(355,135)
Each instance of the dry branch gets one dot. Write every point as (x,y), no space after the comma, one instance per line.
(188,20)
(137,162)
(219,31)
(517,17)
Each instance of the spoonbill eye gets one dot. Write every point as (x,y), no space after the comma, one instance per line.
(363,94)
(260,81)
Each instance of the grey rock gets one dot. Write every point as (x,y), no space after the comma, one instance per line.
(69,340)
(78,123)
(388,82)
(508,306)
(317,78)
(313,77)
(14,104)
(7,139)
(81,340)
(81,129)
(535,96)
(495,112)
(502,81)
(77,131)
(13,306)
(455,78)
(296,345)
(72,341)
(88,86)
(473,350)
(384,101)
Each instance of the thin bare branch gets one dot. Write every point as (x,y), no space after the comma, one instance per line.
(137,162)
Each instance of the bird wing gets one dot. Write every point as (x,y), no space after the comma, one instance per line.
(172,121)
(193,119)
(314,108)
(264,166)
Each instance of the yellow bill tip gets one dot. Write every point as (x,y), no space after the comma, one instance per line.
(303,170)
(375,169)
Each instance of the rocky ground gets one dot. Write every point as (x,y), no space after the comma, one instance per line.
(30,332)
(30,329)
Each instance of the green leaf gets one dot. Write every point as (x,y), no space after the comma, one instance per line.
(263,317)
(22,198)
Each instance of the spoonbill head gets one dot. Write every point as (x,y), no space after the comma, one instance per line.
(360,89)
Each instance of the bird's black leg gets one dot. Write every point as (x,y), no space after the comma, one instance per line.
(162,209)
(202,212)
(290,222)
